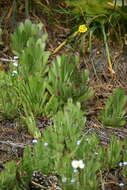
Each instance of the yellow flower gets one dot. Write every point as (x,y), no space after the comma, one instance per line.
(82,28)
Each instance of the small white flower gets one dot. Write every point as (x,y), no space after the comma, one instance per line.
(77,164)
(15,64)
(45,144)
(95,153)
(34,141)
(121,184)
(121,164)
(72,180)
(14,73)
(81,164)
(15,57)
(125,163)
(78,142)
(64,179)
(75,171)
(87,139)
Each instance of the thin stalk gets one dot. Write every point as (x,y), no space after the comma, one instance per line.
(27,8)
(107,50)
(122,3)
(65,42)
(14,12)
(90,42)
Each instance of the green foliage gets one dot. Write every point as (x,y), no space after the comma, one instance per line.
(114,152)
(9,102)
(23,33)
(124,163)
(113,113)
(62,144)
(24,87)
(90,7)
(8,177)
(59,146)
(120,2)
(32,81)
(32,94)
(63,135)
(1,42)
(30,122)
(68,81)
(37,88)
(34,58)
(95,13)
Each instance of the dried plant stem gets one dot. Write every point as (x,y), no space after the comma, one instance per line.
(107,51)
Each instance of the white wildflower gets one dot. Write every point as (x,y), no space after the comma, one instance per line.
(77,164)
(78,142)
(14,72)
(125,163)
(15,64)
(15,57)
(64,179)
(95,153)
(121,164)
(81,164)
(72,180)
(75,171)
(121,184)
(45,144)
(87,139)
(34,141)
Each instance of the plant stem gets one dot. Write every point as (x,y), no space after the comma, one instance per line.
(107,50)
